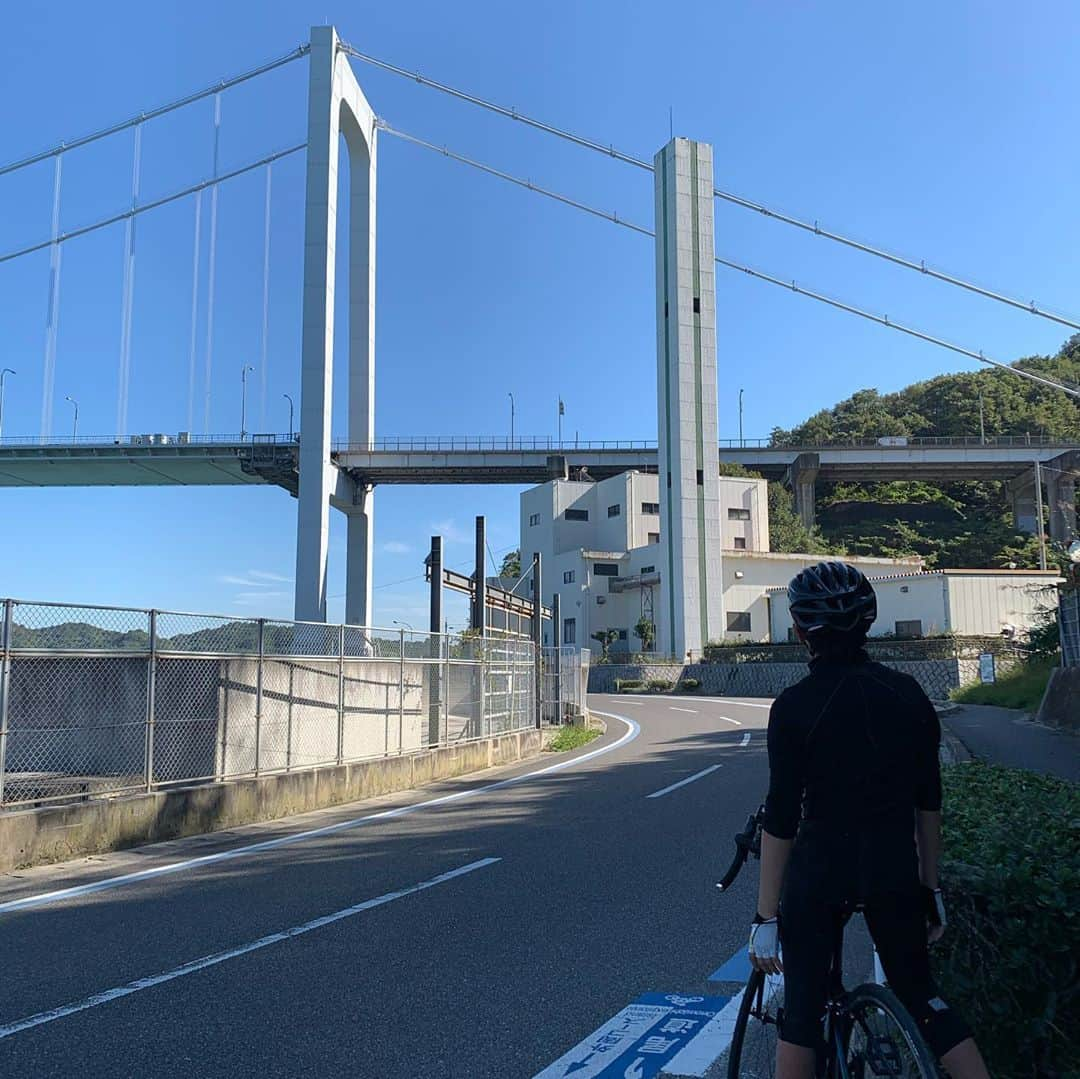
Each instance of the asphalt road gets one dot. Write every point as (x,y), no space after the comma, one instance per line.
(595,893)
(1006,736)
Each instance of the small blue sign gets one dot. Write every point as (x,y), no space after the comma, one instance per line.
(640,1040)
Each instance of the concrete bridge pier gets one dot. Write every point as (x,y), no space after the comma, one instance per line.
(1060,477)
(1021,492)
(801,478)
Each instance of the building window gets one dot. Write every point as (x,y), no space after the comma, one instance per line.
(577,515)
(650,507)
(654,537)
(740,543)
(738,621)
(568,576)
(569,631)
(648,569)
(909,628)
(622,634)
(735,514)
(534,519)
(697,305)
(614,511)
(606,569)
(700,477)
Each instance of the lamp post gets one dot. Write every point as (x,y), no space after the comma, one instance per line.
(404,625)
(75,421)
(243,399)
(3,374)
(291,411)
(741,442)
(511,396)
(982,420)
(562,412)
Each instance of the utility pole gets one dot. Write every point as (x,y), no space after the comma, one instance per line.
(511,396)
(982,420)
(75,421)
(243,399)
(291,412)
(562,412)
(3,374)
(741,442)
(1039,515)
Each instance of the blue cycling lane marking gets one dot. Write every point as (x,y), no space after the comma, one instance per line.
(736,969)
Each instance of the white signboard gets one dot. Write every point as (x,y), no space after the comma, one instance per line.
(986,668)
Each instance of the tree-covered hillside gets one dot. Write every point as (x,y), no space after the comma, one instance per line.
(956,524)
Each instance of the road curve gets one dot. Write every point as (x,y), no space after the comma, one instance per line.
(477,928)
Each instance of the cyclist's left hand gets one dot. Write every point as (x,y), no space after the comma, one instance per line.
(765,946)
(936,919)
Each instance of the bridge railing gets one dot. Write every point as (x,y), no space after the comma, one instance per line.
(103,700)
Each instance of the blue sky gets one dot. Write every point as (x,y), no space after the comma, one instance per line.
(946,132)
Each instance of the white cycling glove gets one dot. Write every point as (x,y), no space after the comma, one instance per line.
(765,944)
(936,919)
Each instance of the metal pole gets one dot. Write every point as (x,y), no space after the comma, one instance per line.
(341,694)
(982,420)
(511,396)
(243,399)
(151,692)
(538,635)
(741,441)
(446,692)
(3,374)
(439,687)
(75,421)
(556,640)
(1039,515)
(291,411)
(479,606)
(5,684)
(401,692)
(259,693)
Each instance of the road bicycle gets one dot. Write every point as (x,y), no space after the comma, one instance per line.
(868,1032)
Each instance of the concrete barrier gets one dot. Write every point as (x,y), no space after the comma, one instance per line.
(54,833)
(1061,702)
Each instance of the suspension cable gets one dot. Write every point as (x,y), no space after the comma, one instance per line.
(748,204)
(793,286)
(161,110)
(146,206)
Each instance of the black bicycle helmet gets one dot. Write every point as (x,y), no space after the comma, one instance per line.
(832,596)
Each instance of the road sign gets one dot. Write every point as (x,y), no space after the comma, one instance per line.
(986,668)
(638,1041)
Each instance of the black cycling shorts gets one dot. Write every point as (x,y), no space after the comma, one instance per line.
(810,922)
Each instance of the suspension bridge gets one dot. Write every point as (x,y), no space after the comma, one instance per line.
(325,469)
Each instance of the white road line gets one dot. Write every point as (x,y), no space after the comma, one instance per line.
(728,719)
(692,711)
(220,957)
(731,700)
(43,898)
(745,739)
(683,782)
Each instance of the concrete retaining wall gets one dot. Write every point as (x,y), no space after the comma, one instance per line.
(1061,703)
(55,833)
(936,676)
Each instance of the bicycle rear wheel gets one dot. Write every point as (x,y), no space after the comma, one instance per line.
(881,1038)
(753,1043)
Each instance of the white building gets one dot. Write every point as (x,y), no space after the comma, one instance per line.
(600,548)
(967,602)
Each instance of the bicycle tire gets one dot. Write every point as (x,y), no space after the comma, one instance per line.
(885,1001)
(754,990)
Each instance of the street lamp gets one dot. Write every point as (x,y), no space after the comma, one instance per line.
(511,396)
(75,421)
(404,625)
(741,441)
(3,374)
(243,399)
(291,411)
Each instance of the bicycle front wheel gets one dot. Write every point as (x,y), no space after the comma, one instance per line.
(881,1038)
(753,1042)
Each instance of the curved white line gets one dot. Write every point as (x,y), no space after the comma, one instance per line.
(43,898)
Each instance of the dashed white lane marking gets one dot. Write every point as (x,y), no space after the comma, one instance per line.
(728,719)
(692,711)
(745,739)
(731,700)
(683,782)
(42,898)
(220,957)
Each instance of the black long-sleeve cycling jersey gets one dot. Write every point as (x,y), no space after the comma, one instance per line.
(853,749)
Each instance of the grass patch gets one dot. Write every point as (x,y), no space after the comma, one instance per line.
(571,738)
(1020,688)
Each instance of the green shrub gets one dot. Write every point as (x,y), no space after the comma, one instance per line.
(1010,959)
(1022,687)
(623,684)
(659,685)
(689,683)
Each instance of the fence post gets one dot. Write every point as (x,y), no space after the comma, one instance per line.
(556,643)
(259,694)
(446,691)
(538,636)
(401,692)
(5,680)
(151,689)
(341,695)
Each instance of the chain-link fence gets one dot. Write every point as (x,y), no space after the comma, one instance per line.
(97,700)
(564,680)
(1069,621)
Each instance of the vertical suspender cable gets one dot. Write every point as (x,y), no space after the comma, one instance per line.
(210,270)
(266,302)
(127,301)
(53,311)
(193,349)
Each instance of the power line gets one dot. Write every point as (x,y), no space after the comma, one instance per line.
(919,266)
(161,110)
(146,206)
(882,320)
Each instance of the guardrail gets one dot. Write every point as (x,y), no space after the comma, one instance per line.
(105,700)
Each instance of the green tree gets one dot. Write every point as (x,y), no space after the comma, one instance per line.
(511,565)
(787,533)
(605,638)
(645,631)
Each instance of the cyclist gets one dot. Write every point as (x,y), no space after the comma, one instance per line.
(853,751)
